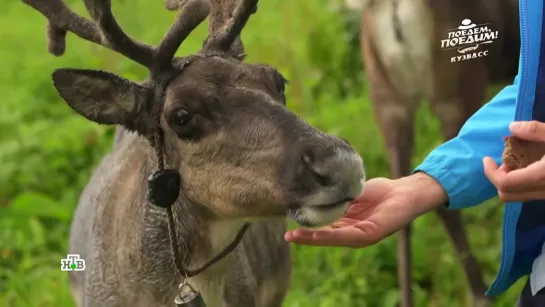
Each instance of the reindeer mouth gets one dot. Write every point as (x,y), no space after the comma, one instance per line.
(316,215)
(324,207)
(334,205)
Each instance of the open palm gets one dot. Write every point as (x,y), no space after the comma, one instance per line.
(381,210)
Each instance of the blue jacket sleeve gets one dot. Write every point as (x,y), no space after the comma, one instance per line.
(457,164)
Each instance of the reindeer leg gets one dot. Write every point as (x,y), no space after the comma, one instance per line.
(395,116)
(398,135)
(455,228)
(397,129)
(460,93)
(404,261)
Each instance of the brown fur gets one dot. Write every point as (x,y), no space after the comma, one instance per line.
(404,62)
(242,155)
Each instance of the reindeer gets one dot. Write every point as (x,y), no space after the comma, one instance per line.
(404,63)
(228,163)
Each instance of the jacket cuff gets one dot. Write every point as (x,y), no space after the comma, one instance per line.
(453,185)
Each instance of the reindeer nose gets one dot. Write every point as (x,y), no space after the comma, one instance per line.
(336,165)
(309,158)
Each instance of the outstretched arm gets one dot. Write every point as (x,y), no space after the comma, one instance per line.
(457,164)
(452,173)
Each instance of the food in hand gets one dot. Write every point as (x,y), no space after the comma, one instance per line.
(519,153)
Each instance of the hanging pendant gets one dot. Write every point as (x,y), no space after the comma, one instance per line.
(189,297)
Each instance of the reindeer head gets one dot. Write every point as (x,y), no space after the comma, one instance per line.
(224,123)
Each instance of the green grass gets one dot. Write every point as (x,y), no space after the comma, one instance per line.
(47,153)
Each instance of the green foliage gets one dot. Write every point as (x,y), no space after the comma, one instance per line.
(48,153)
(338,67)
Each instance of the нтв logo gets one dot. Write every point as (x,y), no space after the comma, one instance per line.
(467,38)
(72,263)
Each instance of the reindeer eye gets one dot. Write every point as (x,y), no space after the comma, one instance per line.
(280,82)
(180,117)
(281,87)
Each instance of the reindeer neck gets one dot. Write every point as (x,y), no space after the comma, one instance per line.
(144,257)
(200,235)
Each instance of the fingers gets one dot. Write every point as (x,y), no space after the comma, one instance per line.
(506,168)
(524,196)
(352,236)
(345,221)
(517,185)
(302,236)
(528,179)
(359,210)
(494,173)
(528,130)
(303,233)
(374,189)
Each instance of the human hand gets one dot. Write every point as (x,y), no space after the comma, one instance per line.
(523,184)
(385,207)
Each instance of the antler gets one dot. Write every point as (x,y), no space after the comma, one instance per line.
(194,12)
(226,23)
(106,31)
(112,35)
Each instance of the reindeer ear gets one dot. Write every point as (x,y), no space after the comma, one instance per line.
(103,97)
